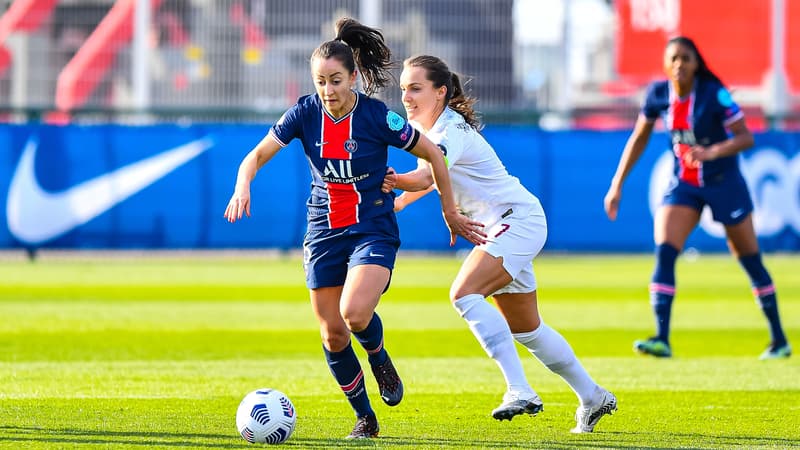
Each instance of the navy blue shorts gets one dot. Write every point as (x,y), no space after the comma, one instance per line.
(729,199)
(329,254)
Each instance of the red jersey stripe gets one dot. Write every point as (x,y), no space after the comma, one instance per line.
(681,111)
(343,204)
(334,135)
(343,199)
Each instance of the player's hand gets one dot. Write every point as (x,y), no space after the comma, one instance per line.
(698,154)
(690,158)
(611,202)
(465,227)
(238,205)
(389,181)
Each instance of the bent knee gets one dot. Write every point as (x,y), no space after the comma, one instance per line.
(458,292)
(335,340)
(357,320)
(461,290)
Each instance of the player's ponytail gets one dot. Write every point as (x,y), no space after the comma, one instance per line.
(463,104)
(357,45)
(702,68)
(440,75)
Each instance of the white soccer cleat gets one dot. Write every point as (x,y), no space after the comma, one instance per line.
(516,403)
(586,417)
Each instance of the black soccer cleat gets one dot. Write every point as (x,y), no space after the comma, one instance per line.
(389,383)
(366,427)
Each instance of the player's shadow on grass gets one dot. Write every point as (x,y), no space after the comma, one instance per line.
(110,438)
(613,439)
(67,436)
(32,435)
(600,440)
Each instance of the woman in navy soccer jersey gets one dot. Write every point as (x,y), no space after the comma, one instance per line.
(502,266)
(707,131)
(352,238)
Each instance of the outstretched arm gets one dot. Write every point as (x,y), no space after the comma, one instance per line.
(416,184)
(412,183)
(633,150)
(740,140)
(456,222)
(239,203)
(418,179)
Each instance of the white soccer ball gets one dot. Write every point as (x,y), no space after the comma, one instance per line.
(266,416)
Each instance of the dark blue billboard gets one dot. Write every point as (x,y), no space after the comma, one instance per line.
(166,186)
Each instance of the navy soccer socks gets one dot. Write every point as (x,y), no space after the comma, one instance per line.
(347,371)
(764,292)
(371,338)
(662,288)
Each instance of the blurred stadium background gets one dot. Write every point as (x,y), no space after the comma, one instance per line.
(91,86)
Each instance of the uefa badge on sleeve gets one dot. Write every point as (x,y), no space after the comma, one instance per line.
(395,121)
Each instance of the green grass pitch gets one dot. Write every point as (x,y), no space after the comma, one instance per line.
(156,351)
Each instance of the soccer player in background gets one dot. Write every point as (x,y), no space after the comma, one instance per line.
(350,247)
(501,267)
(708,131)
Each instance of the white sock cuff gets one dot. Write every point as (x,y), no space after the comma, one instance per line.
(529,336)
(467,302)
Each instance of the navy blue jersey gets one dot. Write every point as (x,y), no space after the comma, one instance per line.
(700,118)
(347,156)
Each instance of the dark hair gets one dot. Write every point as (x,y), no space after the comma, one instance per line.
(438,73)
(357,45)
(702,68)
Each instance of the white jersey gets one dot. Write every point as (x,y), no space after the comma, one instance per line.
(483,188)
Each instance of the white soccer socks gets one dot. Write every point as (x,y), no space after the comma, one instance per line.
(494,335)
(549,347)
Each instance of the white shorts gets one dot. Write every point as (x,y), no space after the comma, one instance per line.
(517,238)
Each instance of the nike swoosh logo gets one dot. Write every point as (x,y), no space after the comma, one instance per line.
(35,215)
(375,255)
(320,144)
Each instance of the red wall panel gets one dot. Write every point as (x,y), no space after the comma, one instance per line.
(792,55)
(734,37)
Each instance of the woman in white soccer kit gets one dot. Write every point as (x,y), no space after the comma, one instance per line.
(516,229)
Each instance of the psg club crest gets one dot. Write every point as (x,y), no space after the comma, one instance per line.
(350,145)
